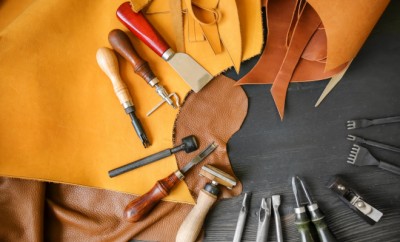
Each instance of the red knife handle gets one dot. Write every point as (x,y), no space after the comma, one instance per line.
(141,206)
(140,27)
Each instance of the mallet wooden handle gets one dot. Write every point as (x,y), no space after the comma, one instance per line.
(121,43)
(108,62)
(141,206)
(191,226)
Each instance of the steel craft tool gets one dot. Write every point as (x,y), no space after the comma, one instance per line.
(360,140)
(242,217)
(121,44)
(276,202)
(189,144)
(301,218)
(354,201)
(108,62)
(141,206)
(363,123)
(190,71)
(264,218)
(360,156)
(191,226)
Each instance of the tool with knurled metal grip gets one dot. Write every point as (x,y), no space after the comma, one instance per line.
(108,62)
(191,226)
(189,144)
(121,43)
(141,206)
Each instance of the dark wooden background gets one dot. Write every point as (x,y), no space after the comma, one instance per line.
(311,142)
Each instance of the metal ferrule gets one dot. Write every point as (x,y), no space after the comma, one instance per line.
(312,207)
(167,55)
(127,104)
(300,210)
(154,81)
(163,94)
(179,174)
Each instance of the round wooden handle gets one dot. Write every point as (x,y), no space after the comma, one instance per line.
(139,25)
(191,226)
(122,44)
(108,62)
(141,206)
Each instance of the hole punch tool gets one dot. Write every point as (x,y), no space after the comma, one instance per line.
(364,123)
(119,40)
(360,140)
(108,62)
(360,156)
(141,206)
(264,218)
(189,144)
(242,217)
(354,201)
(191,226)
(302,220)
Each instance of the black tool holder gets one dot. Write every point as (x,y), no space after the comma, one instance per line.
(354,201)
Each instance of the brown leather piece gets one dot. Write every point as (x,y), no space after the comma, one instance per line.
(37,211)
(214,114)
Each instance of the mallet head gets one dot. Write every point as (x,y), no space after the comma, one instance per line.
(217,176)
(190,143)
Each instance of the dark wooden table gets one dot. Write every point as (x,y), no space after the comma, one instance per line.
(311,142)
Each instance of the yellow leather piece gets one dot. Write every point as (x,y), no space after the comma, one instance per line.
(61,119)
(138,5)
(347,25)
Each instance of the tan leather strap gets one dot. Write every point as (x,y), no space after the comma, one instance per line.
(138,5)
(177,21)
(303,31)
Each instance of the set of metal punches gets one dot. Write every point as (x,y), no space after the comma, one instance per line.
(309,220)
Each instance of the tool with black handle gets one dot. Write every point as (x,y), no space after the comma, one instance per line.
(191,226)
(108,62)
(123,46)
(141,206)
(317,217)
(189,144)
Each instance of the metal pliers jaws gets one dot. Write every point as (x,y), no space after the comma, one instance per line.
(317,217)
(354,201)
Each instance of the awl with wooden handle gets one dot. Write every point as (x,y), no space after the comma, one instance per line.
(190,71)
(108,62)
(141,206)
(120,42)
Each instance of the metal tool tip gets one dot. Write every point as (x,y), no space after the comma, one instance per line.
(246,199)
(145,141)
(276,200)
(351,137)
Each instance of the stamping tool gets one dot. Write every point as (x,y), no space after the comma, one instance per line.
(360,140)
(108,62)
(191,226)
(276,202)
(354,200)
(141,206)
(360,156)
(364,123)
(317,217)
(242,217)
(120,42)
(264,218)
(189,144)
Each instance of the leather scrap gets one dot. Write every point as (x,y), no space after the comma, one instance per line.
(214,114)
(138,5)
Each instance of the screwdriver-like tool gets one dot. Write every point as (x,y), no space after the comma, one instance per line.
(108,62)
(242,217)
(141,206)
(301,219)
(120,42)
(317,217)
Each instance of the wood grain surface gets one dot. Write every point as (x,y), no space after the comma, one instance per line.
(311,142)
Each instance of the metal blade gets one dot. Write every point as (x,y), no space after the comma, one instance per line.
(199,157)
(190,71)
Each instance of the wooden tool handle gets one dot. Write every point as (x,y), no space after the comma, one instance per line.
(122,44)
(141,206)
(192,224)
(139,26)
(108,62)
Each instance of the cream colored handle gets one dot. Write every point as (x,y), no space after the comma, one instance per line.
(191,226)
(108,62)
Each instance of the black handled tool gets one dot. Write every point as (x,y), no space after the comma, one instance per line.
(317,217)
(189,144)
